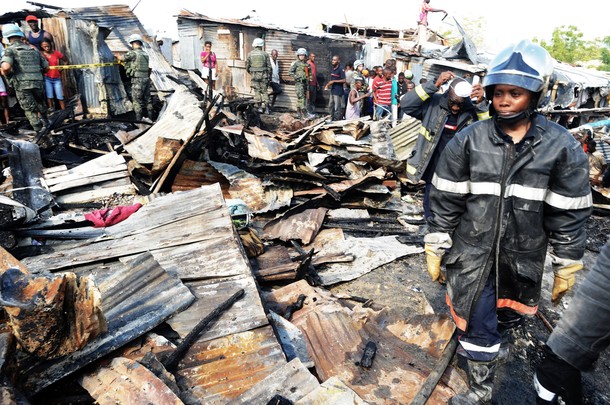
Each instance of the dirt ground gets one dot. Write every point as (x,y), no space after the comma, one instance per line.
(404,286)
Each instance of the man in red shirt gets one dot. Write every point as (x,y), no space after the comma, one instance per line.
(382,89)
(314,86)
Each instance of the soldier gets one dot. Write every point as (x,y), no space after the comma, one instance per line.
(299,70)
(137,68)
(259,67)
(24,67)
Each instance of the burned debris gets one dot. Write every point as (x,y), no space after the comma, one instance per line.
(195,255)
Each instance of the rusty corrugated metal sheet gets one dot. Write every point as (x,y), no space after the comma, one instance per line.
(170,221)
(246,314)
(302,225)
(135,298)
(219,370)
(194,174)
(336,337)
(250,189)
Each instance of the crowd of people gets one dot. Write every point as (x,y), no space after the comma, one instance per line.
(30,69)
(27,70)
(352,90)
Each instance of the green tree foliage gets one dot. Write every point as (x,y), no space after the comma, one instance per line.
(567,45)
(605,54)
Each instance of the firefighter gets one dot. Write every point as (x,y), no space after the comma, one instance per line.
(504,188)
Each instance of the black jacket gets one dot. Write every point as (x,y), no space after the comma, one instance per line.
(502,208)
(426,104)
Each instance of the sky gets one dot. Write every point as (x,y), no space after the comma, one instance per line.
(503,22)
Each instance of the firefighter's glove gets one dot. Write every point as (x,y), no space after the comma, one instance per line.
(435,245)
(564,270)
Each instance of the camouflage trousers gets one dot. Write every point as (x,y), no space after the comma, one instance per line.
(140,97)
(33,101)
(260,84)
(302,87)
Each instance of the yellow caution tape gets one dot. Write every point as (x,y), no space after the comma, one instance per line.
(90,65)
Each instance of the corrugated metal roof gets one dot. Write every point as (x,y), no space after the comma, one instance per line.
(123,23)
(135,298)
(119,18)
(584,77)
(234,21)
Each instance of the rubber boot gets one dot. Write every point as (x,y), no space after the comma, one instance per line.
(481,382)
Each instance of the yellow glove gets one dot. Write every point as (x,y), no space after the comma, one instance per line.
(564,270)
(435,245)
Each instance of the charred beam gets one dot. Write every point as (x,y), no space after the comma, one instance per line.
(292,308)
(172,361)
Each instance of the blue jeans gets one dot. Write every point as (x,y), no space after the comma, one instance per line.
(382,110)
(53,88)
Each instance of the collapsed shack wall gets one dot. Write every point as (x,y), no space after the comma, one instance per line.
(101,89)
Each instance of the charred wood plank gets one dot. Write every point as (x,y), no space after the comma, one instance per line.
(311,274)
(436,373)
(172,361)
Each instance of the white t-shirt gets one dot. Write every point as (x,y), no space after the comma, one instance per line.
(275,70)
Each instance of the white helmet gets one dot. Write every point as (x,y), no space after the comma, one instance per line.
(524,65)
(258,42)
(302,51)
(357,63)
(408,74)
(134,38)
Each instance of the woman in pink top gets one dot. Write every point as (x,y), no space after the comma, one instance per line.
(208,60)
(52,79)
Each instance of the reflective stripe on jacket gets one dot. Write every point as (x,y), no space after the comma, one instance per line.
(425,104)
(502,209)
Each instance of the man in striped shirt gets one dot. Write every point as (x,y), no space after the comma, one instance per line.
(383,90)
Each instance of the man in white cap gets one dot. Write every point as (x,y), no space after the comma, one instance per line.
(442,115)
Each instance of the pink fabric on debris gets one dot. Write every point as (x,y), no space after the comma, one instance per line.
(108,216)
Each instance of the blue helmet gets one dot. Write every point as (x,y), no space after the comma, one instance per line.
(11,30)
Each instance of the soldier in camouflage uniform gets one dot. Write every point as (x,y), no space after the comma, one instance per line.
(299,70)
(137,68)
(24,67)
(259,67)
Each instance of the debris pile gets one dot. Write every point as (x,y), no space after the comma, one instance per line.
(188,257)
